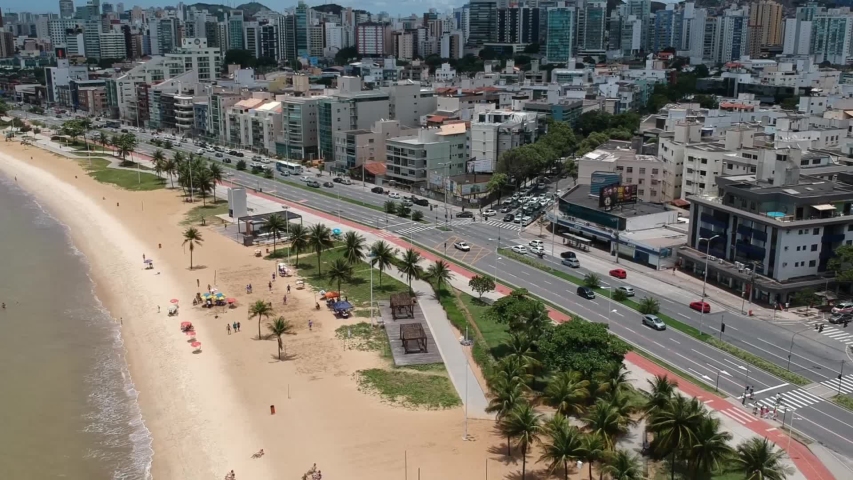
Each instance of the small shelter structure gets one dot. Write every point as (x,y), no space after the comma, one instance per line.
(402,306)
(414,338)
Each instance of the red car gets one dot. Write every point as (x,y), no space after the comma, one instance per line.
(618,273)
(701,307)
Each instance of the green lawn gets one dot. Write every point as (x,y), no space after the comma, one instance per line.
(207,212)
(357,290)
(127,179)
(493,333)
(422,389)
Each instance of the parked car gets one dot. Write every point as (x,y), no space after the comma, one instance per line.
(509,217)
(377,190)
(537,251)
(239,155)
(465,214)
(462,246)
(536,243)
(506,209)
(313,184)
(654,322)
(703,307)
(394,195)
(586,293)
(337,179)
(629,291)
(568,255)
(618,273)
(519,249)
(420,201)
(218,155)
(843,307)
(328,184)
(232,152)
(489,212)
(305,179)
(517,219)
(527,219)
(571,262)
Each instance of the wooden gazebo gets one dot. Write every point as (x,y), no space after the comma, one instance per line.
(414,338)
(402,306)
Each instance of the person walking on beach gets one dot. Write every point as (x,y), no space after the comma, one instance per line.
(285,299)
(158,308)
(288,288)
(270,286)
(197,283)
(228,328)
(310,325)
(238,326)
(235,327)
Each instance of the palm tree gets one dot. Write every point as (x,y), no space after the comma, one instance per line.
(277,328)
(439,272)
(275,224)
(353,247)
(381,256)
(513,368)
(202,182)
(169,167)
(103,139)
(649,306)
(158,159)
(522,349)
(524,425)
(661,390)
(260,309)
(594,450)
(505,395)
(675,426)
(409,266)
(215,176)
(567,392)
(320,239)
(622,465)
(614,380)
(192,237)
(565,445)
(339,271)
(592,280)
(606,422)
(710,449)
(757,459)
(298,239)
(390,206)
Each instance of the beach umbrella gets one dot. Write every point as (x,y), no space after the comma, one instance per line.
(195,344)
(148,260)
(186,324)
(190,333)
(231,300)
(336,231)
(219,296)
(174,300)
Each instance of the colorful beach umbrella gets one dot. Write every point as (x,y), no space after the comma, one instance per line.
(195,344)
(148,260)
(231,300)
(190,333)
(336,231)
(186,324)
(219,296)
(174,300)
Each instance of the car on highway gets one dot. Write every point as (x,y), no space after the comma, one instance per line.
(509,217)
(843,307)
(305,179)
(618,273)
(462,246)
(346,181)
(526,220)
(537,251)
(836,318)
(654,322)
(377,190)
(407,202)
(224,160)
(337,179)
(506,209)
(313,184)
(586,293)
(536,243)
(328,184)
(420,201)
(571,262)
(703,307)
(519,249)
(218,155)
(628,291)
(517,219)
(233,152)
(489,212)
(465,214)
(394,195)
(568,255)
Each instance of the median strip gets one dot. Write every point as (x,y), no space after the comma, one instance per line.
(748,357)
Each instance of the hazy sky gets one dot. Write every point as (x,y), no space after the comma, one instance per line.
(393,7)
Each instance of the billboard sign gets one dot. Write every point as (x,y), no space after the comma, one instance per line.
(615,194)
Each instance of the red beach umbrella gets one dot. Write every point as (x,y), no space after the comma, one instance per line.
(195,344)
(231,300)
(174,300)
(186,324)
(190,333)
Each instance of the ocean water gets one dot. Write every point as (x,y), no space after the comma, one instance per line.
(68,408)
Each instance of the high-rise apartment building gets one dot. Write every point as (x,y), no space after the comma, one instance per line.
(765,26)
(560,34)
(66,8)
(482,15)
(370,39)
(303,21)
(832,33)
(268,43)
(592,22)
(235,30)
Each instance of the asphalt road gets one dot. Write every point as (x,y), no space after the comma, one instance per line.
(817,357)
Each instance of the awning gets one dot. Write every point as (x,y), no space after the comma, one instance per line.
(678,202)
(823,207)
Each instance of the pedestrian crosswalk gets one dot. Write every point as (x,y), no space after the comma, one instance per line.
(843,335)
(504,225)
(739,415)
(846,384)
(788,401)
(424,227)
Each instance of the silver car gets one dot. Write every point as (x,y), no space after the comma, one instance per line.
(654,322)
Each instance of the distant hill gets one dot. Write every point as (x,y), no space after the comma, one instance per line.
(249,9)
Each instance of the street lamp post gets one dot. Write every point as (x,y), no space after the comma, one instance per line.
(791,348)
(495,274)
(707,254)
(609,303)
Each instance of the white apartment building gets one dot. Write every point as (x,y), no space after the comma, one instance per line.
(254,122)
(113,46)
(645,171)
(194,54)
(445,73)
(494,132)
(429,158)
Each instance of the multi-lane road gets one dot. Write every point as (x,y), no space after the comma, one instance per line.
(816,356)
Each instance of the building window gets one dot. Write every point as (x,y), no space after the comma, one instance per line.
(804,163)
(640,191)
(654,171)
(729,166)
(814,247)
(786,248)
(642,171)
(816,231)
(642,181)
(798,248)
(630,170)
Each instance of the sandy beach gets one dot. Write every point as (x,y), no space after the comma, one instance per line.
(209,412)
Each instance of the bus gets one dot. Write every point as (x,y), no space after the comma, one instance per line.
(288,168)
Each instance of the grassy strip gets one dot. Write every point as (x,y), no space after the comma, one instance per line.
(753,359)
(364,337)
(843,401)
(480,351)
(410,389)
(202,213)
(98,168)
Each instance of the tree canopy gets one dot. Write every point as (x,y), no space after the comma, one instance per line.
(581,346)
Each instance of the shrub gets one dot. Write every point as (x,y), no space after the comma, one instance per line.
(417,215)
(241,165)
(592,280)
(619,295)
(649,306)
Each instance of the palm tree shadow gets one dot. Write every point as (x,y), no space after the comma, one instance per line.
(197,267)
(499,452)
(540,474)
(285,357)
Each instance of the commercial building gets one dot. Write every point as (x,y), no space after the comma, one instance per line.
(560,34)
(766,26)
(482,17)
(370,39)
(494,132)
(644,171)
(195,54)
(299,121)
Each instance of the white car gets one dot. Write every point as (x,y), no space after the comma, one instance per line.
(489,212)
(526,220)
(305,179)
(536,243)
(519,249)
(517,219)
(537,250)
(462,246)
(393,195)
(200,151)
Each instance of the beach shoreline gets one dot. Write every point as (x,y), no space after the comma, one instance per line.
(209,412)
